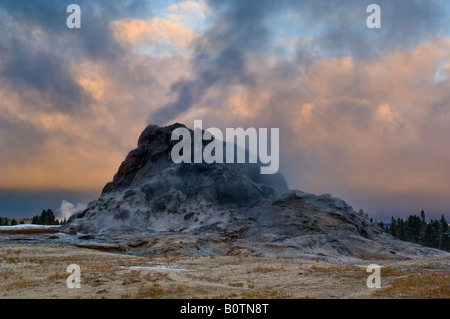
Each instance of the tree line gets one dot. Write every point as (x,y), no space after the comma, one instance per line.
(5,221)
(416,229)
(47,217)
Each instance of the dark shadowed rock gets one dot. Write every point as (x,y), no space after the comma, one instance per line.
(151,156)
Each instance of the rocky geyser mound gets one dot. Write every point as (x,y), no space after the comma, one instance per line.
(154,206)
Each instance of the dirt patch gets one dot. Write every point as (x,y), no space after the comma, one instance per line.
(12,230)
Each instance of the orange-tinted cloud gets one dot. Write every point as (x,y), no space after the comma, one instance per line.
(153,31)
(45,148)
(349,124)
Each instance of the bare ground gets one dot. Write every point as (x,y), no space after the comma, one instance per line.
(39,271)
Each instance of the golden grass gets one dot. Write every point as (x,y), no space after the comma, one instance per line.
(7,274)
(11,259)
(162,275)
(132,276)
(32,260)
(265,269)
(57,276)
(338,271)
(149,277)
(209,277)
(22,283)
(156,291)
(97,282)
(428,285)
(265,293)
(389,271)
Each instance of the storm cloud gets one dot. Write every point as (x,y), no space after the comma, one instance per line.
(38,50)
(244,28)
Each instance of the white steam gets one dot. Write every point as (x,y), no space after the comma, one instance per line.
(67,209)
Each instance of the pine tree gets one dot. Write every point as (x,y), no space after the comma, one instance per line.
(437,225)
(422,217)
(401,229)
(443,224)
(414,228)
(444,242)
(423,225)
(444,238)
(430,236)
(35,220)
(51,220)
(43,217)
(13,222)
(393,227)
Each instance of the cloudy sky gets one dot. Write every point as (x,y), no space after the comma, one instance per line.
(364,114)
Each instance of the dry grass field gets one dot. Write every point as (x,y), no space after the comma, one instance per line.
(39,271)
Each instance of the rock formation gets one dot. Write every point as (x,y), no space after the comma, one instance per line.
(153,206)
